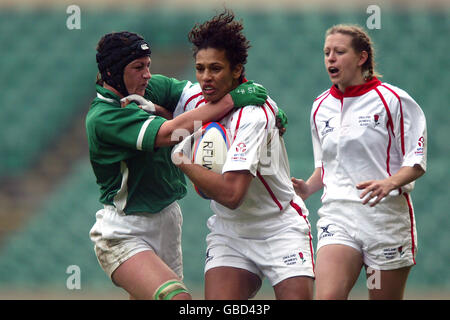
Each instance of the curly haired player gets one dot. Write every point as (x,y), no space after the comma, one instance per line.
(259,227)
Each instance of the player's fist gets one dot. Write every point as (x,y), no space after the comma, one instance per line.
(281,121)
(300,188)
(248,94)
(143,103)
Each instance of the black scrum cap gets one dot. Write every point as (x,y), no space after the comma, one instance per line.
(116,51)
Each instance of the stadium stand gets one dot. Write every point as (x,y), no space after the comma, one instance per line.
(53,72)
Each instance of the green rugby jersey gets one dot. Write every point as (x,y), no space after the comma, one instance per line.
(132,174)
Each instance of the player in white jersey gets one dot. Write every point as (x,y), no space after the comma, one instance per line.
(369,142)
(259,227)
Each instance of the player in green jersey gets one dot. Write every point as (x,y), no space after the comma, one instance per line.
(137,234)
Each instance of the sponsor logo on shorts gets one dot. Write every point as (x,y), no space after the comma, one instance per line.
(401,251)
(325,233)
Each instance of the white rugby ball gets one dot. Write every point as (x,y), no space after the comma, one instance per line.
(210,149)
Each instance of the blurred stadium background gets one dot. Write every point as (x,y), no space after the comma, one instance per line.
(48,195)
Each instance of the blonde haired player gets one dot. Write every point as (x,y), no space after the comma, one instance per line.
(369,141)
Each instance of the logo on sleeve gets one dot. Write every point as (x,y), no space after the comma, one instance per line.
(420,145)
(240,152)
(208,257)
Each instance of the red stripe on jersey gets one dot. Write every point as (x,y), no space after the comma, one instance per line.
(237,123)
(267,118)
(411,219)
(315,112)
(387,111)
(271,108)
(300,212)
(272,195)
(389,124)
(388,157)
(198,103)
(328,91)
(321,177)
(190,99)
(402,129)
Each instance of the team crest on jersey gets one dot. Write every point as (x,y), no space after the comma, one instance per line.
(328,128)
(376,119)
(370,120)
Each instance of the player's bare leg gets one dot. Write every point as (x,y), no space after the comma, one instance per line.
(295,288)
(142,274)
(228,283)
(392,285)
(337,269)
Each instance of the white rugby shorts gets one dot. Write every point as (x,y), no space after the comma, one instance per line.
(117,237)
(385,234)
(288,253)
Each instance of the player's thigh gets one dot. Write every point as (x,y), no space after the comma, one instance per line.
(230,283)
(337,268)
(295,288)
(142,274)
(387,284)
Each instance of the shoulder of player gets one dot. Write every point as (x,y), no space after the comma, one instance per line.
(321,98)
(257,114)
(105,113)
(394,95)
(392,90)
(190,97)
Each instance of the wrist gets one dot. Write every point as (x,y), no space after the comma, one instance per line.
(228,100)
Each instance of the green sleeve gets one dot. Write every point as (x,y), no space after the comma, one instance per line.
(165,91)
(129,128)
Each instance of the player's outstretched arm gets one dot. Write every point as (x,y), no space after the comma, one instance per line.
(245,94)
(379,189)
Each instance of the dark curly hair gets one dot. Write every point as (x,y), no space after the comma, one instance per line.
(222,32)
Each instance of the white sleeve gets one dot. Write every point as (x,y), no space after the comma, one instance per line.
(411,131)
(190,92)
(251,133)
(317,147)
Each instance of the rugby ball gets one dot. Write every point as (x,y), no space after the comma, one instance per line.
(210,149)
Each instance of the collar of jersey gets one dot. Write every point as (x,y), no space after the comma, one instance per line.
(106,95)
(355,91)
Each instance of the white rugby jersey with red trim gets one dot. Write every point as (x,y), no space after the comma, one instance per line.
(368,133)
(257,147)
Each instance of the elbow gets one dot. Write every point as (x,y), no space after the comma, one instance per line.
(234,201)
(167,135)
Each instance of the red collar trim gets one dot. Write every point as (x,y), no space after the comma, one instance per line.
(355,91)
